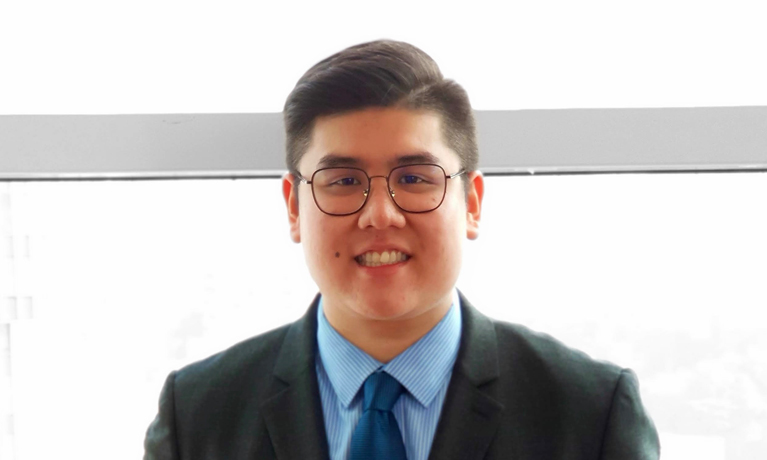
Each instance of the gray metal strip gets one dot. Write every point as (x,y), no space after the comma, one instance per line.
(568,141)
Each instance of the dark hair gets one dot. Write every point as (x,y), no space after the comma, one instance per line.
(381,73)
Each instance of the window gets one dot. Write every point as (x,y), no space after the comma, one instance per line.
(108,286)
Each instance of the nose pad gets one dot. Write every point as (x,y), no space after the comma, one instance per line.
(370,187)
(367,192)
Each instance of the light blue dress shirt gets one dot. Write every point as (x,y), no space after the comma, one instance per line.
(424,369)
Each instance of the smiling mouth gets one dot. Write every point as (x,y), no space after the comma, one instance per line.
(375,259)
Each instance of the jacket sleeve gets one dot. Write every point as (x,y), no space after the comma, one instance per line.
(160,442)
(630,433)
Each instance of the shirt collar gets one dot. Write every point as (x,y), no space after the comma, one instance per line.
(422,368)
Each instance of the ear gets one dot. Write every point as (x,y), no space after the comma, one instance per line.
(289,192)
(474,203)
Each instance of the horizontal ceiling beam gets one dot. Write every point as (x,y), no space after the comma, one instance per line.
(567,141)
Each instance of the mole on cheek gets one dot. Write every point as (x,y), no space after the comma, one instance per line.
(338,254)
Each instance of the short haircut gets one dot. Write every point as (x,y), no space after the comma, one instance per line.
(382,73)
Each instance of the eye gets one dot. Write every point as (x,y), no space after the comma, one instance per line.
(410,179)
(346,181)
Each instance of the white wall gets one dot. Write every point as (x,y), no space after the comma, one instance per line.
(243,56)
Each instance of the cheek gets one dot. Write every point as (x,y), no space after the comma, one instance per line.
(322,238)
(453,218)
(312,231)
(454,232)
(444,238)
(317,241)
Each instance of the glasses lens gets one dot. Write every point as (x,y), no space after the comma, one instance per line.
(418,188)
(339,190)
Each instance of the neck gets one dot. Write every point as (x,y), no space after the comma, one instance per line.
(384,339)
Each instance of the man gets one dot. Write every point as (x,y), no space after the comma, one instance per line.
(391,361)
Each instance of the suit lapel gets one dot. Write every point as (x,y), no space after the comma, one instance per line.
(470,416)
(471,413)
(293,415)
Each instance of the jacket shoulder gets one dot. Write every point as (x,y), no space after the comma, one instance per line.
(553,364)
(245,366)
(590,405)
(214,399)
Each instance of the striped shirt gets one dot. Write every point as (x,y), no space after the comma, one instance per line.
(424,369)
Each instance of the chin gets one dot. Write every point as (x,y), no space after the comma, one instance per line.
(383,310)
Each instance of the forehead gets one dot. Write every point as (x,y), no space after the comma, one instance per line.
(376,137)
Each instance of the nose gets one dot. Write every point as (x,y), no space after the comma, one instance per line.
(380,211)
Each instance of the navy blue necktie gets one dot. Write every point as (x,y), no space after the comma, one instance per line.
(377,436)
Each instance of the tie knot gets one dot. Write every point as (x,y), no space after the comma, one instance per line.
(381,391)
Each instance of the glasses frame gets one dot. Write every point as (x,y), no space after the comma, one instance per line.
(388,186)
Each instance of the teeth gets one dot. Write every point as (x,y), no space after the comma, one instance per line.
(374,259)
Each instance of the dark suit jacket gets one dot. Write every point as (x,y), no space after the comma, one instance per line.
(514,394)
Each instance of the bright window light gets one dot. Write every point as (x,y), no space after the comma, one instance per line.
(115,284)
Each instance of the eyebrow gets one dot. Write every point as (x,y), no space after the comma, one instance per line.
(333,160)
(420,157)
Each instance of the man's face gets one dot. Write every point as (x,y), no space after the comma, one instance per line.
(376,140)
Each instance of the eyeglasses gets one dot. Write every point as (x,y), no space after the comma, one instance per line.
(415,188)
